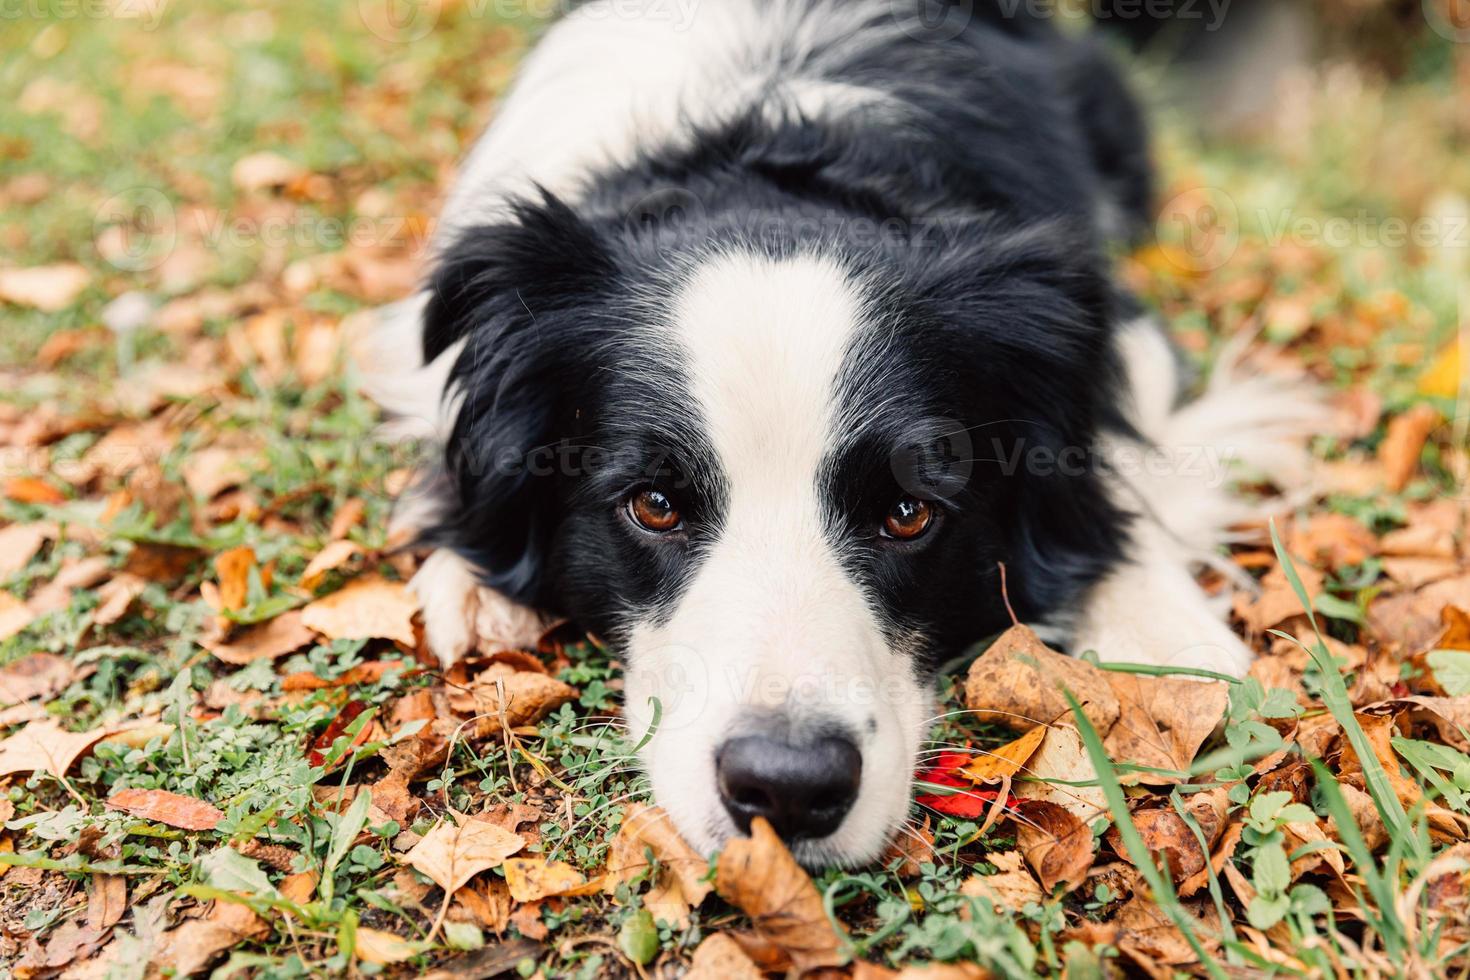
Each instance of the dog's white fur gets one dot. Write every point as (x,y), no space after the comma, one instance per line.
(1180,483)
(771,614)
(772,620)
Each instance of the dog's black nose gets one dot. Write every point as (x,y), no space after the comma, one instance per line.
(803,790)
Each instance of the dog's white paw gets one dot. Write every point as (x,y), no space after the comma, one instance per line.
(461,616)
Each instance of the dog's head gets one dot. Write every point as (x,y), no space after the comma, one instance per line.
(780,481)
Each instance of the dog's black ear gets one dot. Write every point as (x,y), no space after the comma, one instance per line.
(517,295)
(1032,313)
(1067,530)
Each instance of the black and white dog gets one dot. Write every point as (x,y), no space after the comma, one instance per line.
(761,334)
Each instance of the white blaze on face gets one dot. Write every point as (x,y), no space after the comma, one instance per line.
(771,621)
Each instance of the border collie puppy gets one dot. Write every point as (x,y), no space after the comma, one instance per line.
(774,342)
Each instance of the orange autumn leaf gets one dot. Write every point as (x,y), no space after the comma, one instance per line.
(534,878)
(1400,449)
(758,875)
(329,559)
(164,807)
(233,571)
(1055,843)
(994,765)
(32,490)
(263,641)
(367,609)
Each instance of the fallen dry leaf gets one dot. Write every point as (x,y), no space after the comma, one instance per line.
(1170,840)
(1019,683)
(365,673)
(366,609)
(912,847)
(1063,760)
(32,490)
(528,922)
(107,900)
(1398,454)
(273,638)
(263,171)
(451,854)
(1224,851)
(57,593)
(1450,717)
(44,746)
(35,675)
(70,941)
(384,948)
(166,563)
(209,472)
(1055,843)
(329,559)
(1151,939)
(1380,729)
(348,516)
(1365,815)
(1278,601)
(1162,722)
(48,288)
(19,543)
(533,878)
(192,946)
(1412,621)
(299,887)
(14,615)
(1419,541)
(681,882)
(1010,889)
(164,807)
(1332,540)
(758,875)
(1415,573)
(528,697)
(720,958)
(487,903)
(993,765)
(117,597)
(232,568)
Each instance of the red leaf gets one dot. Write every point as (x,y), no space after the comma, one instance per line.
(316,752)
(970,803)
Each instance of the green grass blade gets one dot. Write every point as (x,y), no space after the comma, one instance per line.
(1138,852)
(1335,696)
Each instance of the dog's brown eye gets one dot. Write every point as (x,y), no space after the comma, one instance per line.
(654,511)
(908,518)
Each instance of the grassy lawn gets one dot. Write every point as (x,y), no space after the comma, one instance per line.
(223,747)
